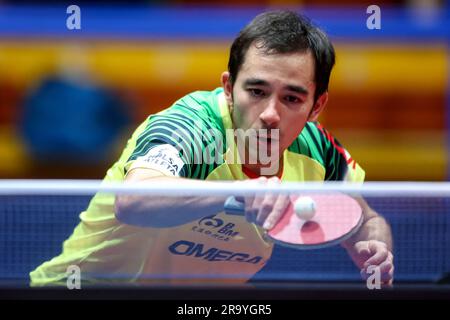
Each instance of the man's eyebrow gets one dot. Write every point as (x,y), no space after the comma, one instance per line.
(255,82)
(259,82)
(297,89)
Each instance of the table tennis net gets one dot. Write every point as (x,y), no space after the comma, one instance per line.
(35,222)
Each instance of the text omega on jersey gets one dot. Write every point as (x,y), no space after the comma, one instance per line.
(188,248)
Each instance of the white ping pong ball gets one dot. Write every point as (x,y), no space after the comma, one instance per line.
(305,208)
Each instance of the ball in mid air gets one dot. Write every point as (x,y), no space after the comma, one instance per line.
(305,208)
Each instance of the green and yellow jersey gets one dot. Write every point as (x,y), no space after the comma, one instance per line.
(187,140)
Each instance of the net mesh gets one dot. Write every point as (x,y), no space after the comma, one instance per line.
(33,228)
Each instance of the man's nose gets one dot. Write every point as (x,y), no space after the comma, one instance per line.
(271,114)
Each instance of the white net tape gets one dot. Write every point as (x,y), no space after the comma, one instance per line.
(194,188)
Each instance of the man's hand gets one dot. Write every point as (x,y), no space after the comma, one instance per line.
(372,245)
(374,253)
(265,210)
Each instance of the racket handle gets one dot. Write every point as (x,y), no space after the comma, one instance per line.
(234,207)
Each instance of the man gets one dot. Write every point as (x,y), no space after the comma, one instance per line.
(275,88)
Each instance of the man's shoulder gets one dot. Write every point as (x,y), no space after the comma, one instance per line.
(314,141)
(196,106)
(318,143)
(312,135)
(206,95)
(200,99)
(316,134)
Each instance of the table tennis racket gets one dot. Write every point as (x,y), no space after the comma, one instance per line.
(337,217)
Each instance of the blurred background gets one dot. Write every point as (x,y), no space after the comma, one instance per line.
(69,99)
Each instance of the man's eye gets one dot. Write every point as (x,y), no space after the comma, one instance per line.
(256,92)
(293,99)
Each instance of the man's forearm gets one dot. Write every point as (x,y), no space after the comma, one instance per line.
(169,211)
(372,246)
(148,211)
(374,227)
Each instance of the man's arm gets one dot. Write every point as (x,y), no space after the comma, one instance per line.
(372,245)
(170,211)
(160,212)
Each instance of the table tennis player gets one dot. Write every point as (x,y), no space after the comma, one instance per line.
(271,97)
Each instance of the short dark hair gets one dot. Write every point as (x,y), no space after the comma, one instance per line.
(285,32)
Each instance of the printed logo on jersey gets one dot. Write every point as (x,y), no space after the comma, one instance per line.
(198,250)
(216,228)
(165,158)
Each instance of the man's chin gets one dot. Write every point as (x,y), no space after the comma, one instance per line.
(263,157)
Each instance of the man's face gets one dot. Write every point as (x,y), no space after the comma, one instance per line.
(274,91)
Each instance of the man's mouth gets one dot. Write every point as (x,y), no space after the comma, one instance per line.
(267,138)
(267,141)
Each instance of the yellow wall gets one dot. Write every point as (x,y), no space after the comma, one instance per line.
(359,66)
(387,102)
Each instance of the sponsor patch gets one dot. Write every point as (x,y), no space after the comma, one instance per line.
(164,158)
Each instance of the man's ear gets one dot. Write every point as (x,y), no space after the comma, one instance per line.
(227,87)
(318,107)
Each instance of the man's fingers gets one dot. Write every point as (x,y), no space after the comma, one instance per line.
(266,205)
(250,212)
(364,274)
(362,248)
(385,270)
(265,208)
(279,208)
(384,276)
(388,276)
(253,203)
(257,200)
(391,275)
(386,266)
(375,245)
(380,254)
(378,261)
